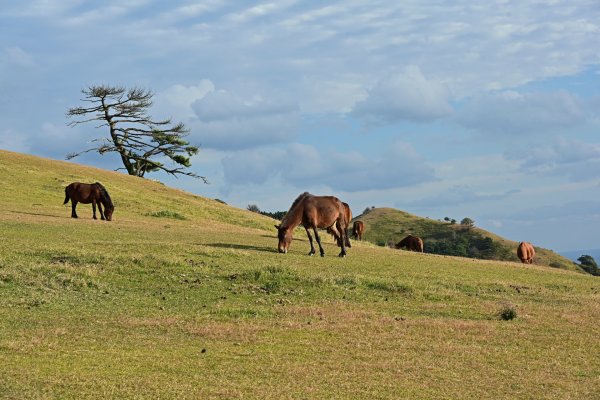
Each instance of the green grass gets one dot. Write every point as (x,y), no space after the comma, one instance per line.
(166,214)
(146,307)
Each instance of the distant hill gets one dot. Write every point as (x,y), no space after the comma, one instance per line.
(385,226)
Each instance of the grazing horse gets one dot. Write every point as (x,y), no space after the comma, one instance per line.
(87,193)
(313,212)
(412,243)
(358,229)
(333,231)
(526,252)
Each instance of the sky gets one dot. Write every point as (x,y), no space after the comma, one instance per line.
(487,110)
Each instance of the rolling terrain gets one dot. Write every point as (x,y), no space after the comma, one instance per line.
(388,225)
(183,296)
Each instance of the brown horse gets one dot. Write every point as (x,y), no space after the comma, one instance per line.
(333,231)
(412,243)
(526,252)
(87,193)
(313,212)
(358,229)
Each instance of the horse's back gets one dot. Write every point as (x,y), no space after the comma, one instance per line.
(322,211)
(81,192)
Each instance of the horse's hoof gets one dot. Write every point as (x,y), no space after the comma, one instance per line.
(342,255)
(310,254)
(322,254)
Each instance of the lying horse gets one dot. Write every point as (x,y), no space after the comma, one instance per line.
(313,212)
(333,231)
(358,229)
(87,193)
(526,252)
(412,243)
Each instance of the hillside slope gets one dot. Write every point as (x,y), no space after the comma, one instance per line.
(384,225)
(35,186)
(205,307)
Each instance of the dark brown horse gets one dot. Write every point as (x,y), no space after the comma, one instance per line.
(526,252)
(412,243)
(313,212)
(358,229)
(87,193)
(333,231)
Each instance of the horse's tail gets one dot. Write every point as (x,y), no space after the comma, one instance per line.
(67,198)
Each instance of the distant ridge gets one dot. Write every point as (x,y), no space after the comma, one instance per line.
(384,226)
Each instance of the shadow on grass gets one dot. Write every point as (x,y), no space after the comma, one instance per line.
(300,239)
(243,247)
(40,214)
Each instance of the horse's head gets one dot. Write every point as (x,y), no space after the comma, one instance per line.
(285,238)
(108,212)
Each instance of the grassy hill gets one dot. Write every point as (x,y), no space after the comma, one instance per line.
(384,225)
(182,296)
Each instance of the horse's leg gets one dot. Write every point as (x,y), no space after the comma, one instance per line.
(344,240)
(94,208)
(310,239)
(319,242)
(348,244)
(73,205)
(101,212)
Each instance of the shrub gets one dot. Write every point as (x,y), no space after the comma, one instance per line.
(253,208)
(508,312)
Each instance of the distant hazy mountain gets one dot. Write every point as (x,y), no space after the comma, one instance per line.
(575,254)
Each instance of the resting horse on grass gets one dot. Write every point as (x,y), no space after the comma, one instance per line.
(313,212)
(412,243)
(87,193)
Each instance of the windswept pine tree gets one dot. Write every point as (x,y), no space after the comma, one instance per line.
(139,140)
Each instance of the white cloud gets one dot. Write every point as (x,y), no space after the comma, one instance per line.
(514,113)
(226,121)
(15,56)
(407,95)
(305,166)
(460,195)
(176,101)
(14,141)
(577,160)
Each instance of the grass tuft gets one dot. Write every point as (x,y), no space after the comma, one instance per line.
(166,214)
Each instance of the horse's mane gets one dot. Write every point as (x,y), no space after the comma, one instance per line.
(104,196)
(293,206)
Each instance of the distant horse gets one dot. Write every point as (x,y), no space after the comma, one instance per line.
(313,212)
(526,252)
(358,229)
(333,231)
(87,193)
(412,243)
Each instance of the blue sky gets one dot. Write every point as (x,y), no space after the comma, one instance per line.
(460,109)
